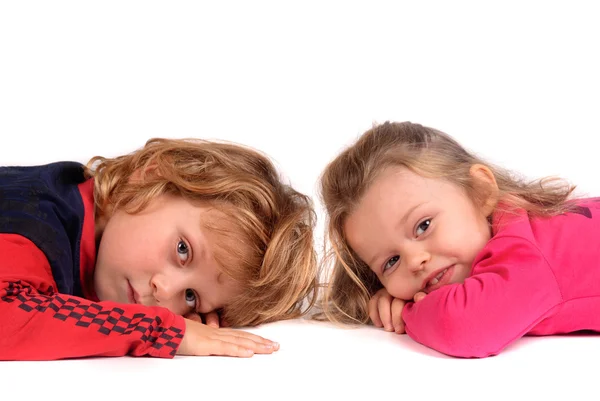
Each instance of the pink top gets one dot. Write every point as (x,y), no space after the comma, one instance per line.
(536,276)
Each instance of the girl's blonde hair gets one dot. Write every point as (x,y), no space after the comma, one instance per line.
(265,242)
(431,154)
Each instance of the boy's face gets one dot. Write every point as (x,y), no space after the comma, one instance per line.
(162,257)
(415,233)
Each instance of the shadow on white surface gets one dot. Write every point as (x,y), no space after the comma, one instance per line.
(321,361)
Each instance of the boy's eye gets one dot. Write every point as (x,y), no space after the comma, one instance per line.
(190,298)
(183,251)
(423,226)
(391,262)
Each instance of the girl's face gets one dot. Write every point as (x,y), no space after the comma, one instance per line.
(415,233)
(162,257)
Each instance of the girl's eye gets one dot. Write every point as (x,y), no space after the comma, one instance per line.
(390,263)
(183,251)
(423,226)
(190,298)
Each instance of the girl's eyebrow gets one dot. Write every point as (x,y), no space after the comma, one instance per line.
(401,222)
(409,212)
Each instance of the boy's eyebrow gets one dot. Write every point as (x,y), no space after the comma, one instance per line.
(199,247)
(201,251)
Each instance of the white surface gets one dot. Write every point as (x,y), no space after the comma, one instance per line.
(518,82)
(318,361)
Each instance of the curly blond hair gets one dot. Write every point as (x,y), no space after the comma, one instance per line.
(425,151)
(266,244)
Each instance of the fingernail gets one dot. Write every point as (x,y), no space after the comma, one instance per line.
(276,345)
(249,352)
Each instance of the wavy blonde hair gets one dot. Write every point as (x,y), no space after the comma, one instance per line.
(427,152)
(266,241)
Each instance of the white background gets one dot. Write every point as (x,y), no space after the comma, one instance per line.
(517,82)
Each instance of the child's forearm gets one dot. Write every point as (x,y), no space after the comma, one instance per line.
(37,323)
(42,327)
(511,291)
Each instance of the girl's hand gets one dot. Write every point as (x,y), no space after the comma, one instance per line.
(419,296)
(386,311)
(201,339)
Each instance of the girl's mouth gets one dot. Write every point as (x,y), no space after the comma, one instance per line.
(440,279)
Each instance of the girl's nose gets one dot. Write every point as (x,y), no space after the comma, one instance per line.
(417,259)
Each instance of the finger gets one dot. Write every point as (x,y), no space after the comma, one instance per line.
(373,312)
(256,347)
(398,322)
(419,296)
(193,316)
(224,348)
(249,336)
(212,319)
(385,312)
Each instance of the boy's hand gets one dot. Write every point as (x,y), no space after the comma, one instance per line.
(386,311)
(212,319)
(200,339)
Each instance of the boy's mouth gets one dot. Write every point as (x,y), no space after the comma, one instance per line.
(131,294)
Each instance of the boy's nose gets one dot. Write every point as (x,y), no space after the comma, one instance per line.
(162,287)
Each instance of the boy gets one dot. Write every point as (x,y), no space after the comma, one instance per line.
(122,256)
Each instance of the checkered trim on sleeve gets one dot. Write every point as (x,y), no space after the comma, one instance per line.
(82,313)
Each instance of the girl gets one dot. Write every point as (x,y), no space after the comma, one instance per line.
(465,258)
(122,257)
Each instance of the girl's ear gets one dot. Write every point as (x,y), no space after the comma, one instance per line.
(487,181)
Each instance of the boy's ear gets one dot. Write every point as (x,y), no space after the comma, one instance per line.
(141,173)
(487,180)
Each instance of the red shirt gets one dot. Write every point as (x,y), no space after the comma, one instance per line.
(39,323)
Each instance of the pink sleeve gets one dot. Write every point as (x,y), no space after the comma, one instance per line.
(511,290)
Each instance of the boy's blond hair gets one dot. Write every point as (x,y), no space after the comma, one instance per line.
(266,241)
(427,152)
